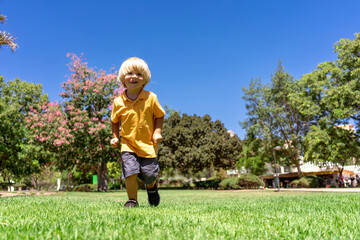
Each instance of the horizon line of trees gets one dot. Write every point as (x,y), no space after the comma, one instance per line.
(300,115)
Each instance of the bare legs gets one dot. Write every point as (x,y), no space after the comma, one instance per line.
(132,186)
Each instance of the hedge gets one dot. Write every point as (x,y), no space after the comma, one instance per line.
(310,181)
(245,181)
(208,184)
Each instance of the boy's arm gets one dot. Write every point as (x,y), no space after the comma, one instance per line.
(115,132)
(157,131)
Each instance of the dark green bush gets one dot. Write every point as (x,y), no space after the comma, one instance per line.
(4,185)
(294,184)
(94,187)
(208,184)
(234,183)
(69,189)
(310,181)
(186,185)
(227,183)
(249,180)
(303,183)
(245,181)
(83,188)
(230,183)
(18,185)
(314,181)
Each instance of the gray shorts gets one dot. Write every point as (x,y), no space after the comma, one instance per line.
(146,168)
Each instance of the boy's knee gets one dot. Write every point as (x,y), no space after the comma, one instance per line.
(131,177)
(151,185)
(150,179)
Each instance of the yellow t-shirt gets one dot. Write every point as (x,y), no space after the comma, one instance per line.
(137,122)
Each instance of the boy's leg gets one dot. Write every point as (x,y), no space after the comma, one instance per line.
(149,170)
(153,194)
(132,186)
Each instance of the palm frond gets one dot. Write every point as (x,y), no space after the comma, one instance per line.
(2,19)
(7,39)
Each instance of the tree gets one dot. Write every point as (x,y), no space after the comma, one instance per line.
(332,145)
(77,131)
(332,91)
(192,144)
(275,119)
(252,157)
(5,37)
(16,99)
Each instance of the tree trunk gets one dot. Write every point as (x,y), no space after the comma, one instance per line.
(210,172)
(102,177)
(34,182)
(70,175)
(341,171)
(299,170)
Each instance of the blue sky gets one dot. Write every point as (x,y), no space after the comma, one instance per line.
(200,53)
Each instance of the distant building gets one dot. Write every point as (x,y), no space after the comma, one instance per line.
(235,172)
(329,172)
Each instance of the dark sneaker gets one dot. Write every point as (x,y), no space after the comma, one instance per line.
(131,203)
(153,196)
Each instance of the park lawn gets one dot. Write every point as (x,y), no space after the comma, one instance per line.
(183,214)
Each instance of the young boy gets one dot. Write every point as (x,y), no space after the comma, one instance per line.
(141,117)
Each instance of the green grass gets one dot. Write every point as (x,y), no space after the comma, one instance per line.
(183,214)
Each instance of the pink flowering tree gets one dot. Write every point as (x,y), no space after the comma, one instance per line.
(77,131)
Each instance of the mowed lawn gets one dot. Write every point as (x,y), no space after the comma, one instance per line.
(183,214)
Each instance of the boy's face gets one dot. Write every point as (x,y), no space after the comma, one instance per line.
(134,81)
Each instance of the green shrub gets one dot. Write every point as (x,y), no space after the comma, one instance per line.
(83,188)
(246,181)
(234,183)
(221,174)
(249,180)
(225,184)
(94,187)
(17,185)
(303,183)
(229,183)
(69,189)
(294,184)
(310,181)
(314,181)
(4,185)
(208,184)
(186,185)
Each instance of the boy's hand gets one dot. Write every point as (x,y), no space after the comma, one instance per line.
(114,142)
(157,138)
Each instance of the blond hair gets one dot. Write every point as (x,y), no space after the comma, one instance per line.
(136,65)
